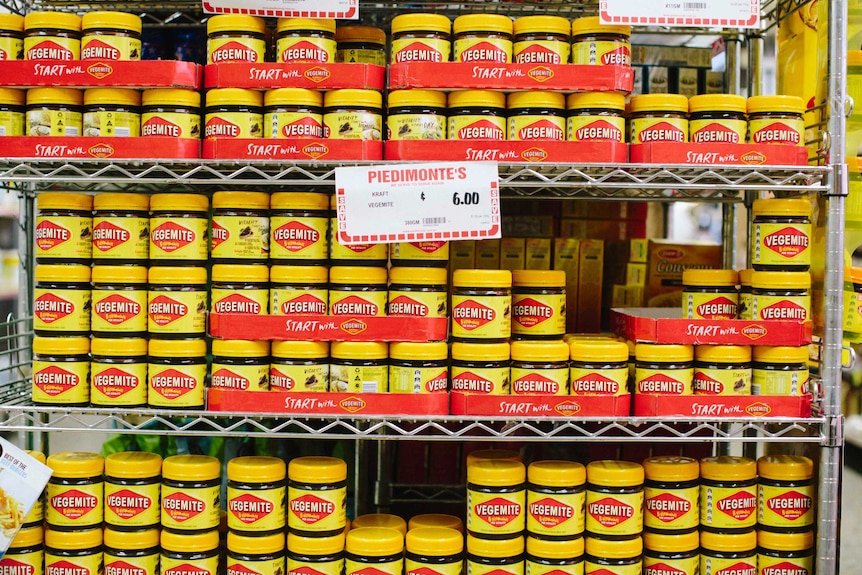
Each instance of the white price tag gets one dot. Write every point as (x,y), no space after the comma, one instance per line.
(695,13)
(418,202)
(341,9)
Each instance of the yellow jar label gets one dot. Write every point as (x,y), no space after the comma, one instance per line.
(232,50)
(650,130)
(664,381)
(539,314)
(474,568)
(295,125)
(785,131)
(781,244)
(121,238)
(781,307)
(112,123)
(488,50)
(769,565)
(358,378)
(481,380)
(541,52)
(596,128)
(240,237)
(590,381)
(23,563)
(174,312)
(403,379)
(671,509)
(296,567)
(176,386)
(602,53)
(557,515)
(105,47)
(64,382)
(710,565)
(698,305)
(52,48)
(190,508)
(299,377)
(233,125)
(614,514)
(728,507)
(90,564)
(69,237)
(119,311)
(298,238)
(246,567)
(417,303)
(132,505)
(592,568)
(352,567)
(529,128)
(115,384)
(356,252)
(353,126)
(416,127)
(53,123)
(37,512)
(429,252)
(360,56)
(256,510)
(11,123)
(61,310)
(247,301)
(718,131)
(183,566)
(746,305)
(535,568)
(178,238)
(305,50)
(537,381)
(420,50)
(711,381)
(668,566)
(474,127)
(244,377)
(127,564)
(171,125)
(11,48)
(779,382)
(316,510)
(481,317)
(78,506)
(853,310)
(785,506)
(298,301)
(496,513)
(357,302)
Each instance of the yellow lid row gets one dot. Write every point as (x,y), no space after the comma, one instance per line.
(100,19)
(503,24)
(716,102)
(515,100)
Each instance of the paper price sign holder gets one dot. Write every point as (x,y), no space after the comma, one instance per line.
(341,9)
(698,14)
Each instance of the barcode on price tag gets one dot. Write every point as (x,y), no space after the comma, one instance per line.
(341,9)
(702,13)
(417,202)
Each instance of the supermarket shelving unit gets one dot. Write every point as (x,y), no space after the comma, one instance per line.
(537,181)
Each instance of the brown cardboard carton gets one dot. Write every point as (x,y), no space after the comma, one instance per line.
(538,254)
(590,268)
(488,254)
(566,252)
(666,260)
(462,256)
(513,253)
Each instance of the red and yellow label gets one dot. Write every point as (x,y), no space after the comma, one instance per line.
(781,245)
(233,125)
(105,47)
(477,568)
(127,564)
(176,386)
(537,128)
(256,510)
(481,380)
(176,312)
(651,130)
(541,52)
(52,48)
(618,514)
(426,252)
(481,317)
(79,507)
(668,566)
(785,506)
(295,125)
(633,568)
(671,509)
(177,566)
(133,506)
(496,513)
(116,384)
(261,567)
(29,563)
(413,567)
(664,381)
(233,50)
(769,565)
(61,310)
(316,510)
(353,126)
(420,50)
(718,131)
(61,382)
(728,508)
(297,567)
(171,125)
(477,127)
(353,567)
(298,238)
(189,508)
(355,252)
(358,378)
(415,127)
(725,566)
(240,237)
(779,382)
(360,56)
(121,238)
(533,381)
(596,128)
(539,314)
(786,131)
(119,311)
(298,302)
(485,50)
(782,308)
(602,53)
(11,48)
(711,381)
(245,301)
(556,515)
(710,306)
(299,377)
(300,50)
(69,237)
(417,303)
(591,381)
(11,123)
(369,303)
(89,564)
(404,379)
(242,377)
(178,238)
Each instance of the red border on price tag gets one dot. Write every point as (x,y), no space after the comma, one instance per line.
(350,14)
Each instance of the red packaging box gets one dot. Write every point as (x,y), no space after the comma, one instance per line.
(505,151)
(55,147)
(329,403)
(271,75)
(292,150)
(327,328)
(737,407)
(101,73)
(537,406)
(718,154)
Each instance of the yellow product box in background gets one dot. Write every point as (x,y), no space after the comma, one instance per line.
(638,250)
(513,253)
(538,254)
(797,64)
(636,274)
(667,260)
(462,255)
(566,258)
(590,272)
(487,254)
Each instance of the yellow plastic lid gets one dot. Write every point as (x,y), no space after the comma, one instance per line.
(317,469)
(594,350)
(256,469)
(353,98)
(491,454)
(495,548)
(179,202)
(555,473)
(27,537)
(781,207)
(477,98)
(481,351)
(421,23)
(191,467)
(120,274)
(53,96)
(374,541)
(122,347)
(729,542)
(358,350)
(189,542)
(483,23)
(853,274)
(717,103)
(542,25)
(76,464)
(420,276)
(667,543)
(615,473)
(722,353)
(360,34)
(133,465)
(255,544)
(233,97)
(429,351)
(555,549)
(659,103)
(293,97)
(37,455)
(348,275)
(255,273)
(235,23)
(171,97)
(121,201)
(11,96)
(789,104)
(745,276)
(111,21)
(64,201)
(316,24)
(430,98)
(128,540)
(663,352)
(496,472)
(482,278)
(596,100)
(785,467)
(185,348)
(671,468)
(592,25)
(785,541)
(537,99)
(538,278)
(74,540)
(299,201)
(12,22)
(727,468)
(299,274)
(854,58)
(300,349)
(71,273)
(315,546)
(539,351)
(709,278)
(435,520)
(61,345)
(242,200)
(380,520)
(52,21)
(434,541)
(240,348)
(781,280)
(177,275)
(614,549)
(779,354)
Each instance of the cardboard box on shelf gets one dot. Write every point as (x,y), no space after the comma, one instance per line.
(666,260)
(610,230)
(566,258)
(538,254)
(462,254)
(714,83)
(638,250)
(596,210)
(636,274)
(590,272)
(658,81)
(528,226)
(648,55)
(687,81)
(513,253)
(487,254)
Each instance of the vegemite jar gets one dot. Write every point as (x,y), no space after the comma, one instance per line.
(430,253)
(781,235)
(477,115)
(781,296)
(664,369)
(541,40)
(323,555)
(496,499)
(785,493)
(36,516)
(190,494)
(299,366)
(418,367)
(556,499)
(481,368)
(183,552)
(728,494)
(491,454)
(358,366)
(171,113)
(54,112)
(132,487)
(235,38)
(481,305)
(256,495)
(416,115)
(658,118)
(299,222)
(722,370)
(597,44)
(12,39)
(709,294)
(438,549)
(11,106)
(554,556)
(779,553)
(178,229)
(676,553)
(305,41)
(728,552)
(240,289)
(119,306)
(298,290)
(852,323)
(380,520)
(62,300)
(351,114)
(80,551)
(233,113)
(240,364)
(26,553)
(483,38)
(64,228)
(360,45)
(177,302)
(240,227)
(121,229)
(52,36)
(598,367)
(110,36)
(538,304)
(417,292)
(776,120)
(780,370)
(540,368)
(135,551)
(292,113)
(536,116)
(497,556)
(119,372)
(614,556)
(421,38)
(743,310)
(596,117)
(317,496)
(75,492)
(61,371)
(717,119)
(671,492)
(176,374)
(615,499)
(263,554)
(355,290)
(378,549)
(435,520)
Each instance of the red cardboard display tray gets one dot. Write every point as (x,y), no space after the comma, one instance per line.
(327,403)
(534,406)
(291,149)
(663,325)
(740,407)
(101,73)
(270,75)
(328,328)
(51,147)
(504,151)
(511,77)
(718,154)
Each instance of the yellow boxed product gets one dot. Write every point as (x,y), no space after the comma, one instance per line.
(512,253)
(487,254)
(619,297)
(667,260)
(714,82)
(462,255)
(590,272)
(566,252)
(797,63)
(538,254)
(638,250)
(635,274)
(528,226)
(687,82)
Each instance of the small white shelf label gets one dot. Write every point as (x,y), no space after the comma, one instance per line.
(694,13)
(341,9)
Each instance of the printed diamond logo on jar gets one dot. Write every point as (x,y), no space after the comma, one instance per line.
(74,504)
(126,504)
(107,236)
(472,315)
(50,235)
(181,507)
(787,242)
(738,506)
(498,512)
(791,505)
(171,236)
(667,507)
(164,310)
(172,383)
(114,382)
(310,508)
(55,380)
(123,568)
(738,569)
(550,513)
(610,512)
(117,309)
(249,509)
